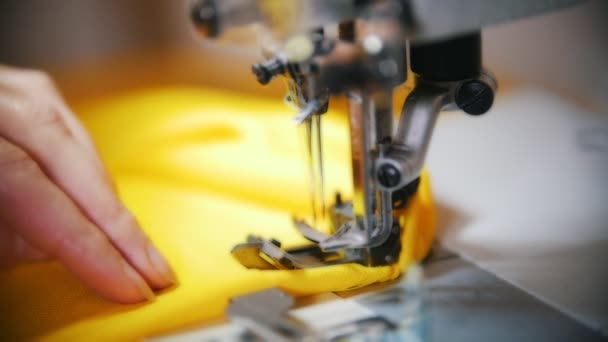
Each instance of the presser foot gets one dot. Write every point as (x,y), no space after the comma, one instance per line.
(268,254)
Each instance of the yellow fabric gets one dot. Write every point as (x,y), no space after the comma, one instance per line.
(200,169)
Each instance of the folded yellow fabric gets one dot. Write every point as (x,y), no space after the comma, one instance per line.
(201,169)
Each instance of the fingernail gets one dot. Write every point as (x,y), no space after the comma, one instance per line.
(160,264)
(139,282)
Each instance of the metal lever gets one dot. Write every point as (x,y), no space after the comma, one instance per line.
(403,161)
(264,313)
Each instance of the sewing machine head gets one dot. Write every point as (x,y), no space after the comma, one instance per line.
(361,49)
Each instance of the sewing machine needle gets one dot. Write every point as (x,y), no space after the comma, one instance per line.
(315,167)
(311,170)
(320,174)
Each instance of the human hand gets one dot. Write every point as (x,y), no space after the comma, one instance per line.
(57,201)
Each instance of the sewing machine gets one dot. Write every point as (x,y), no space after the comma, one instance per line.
(362,50)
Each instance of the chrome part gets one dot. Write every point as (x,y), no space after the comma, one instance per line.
(367,229)
(263,254)
(366,60)
(319,164)
(340,213)
(309,232)
(435,19)
(264,314)
(420,19)
(364,192)
(314,150)
(313,170)
(309,110)
(394,313)
(407,153)
(211,18)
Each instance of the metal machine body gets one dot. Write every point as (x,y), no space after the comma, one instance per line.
(363,49)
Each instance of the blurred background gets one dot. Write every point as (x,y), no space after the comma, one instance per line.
(522,192)
(565,52)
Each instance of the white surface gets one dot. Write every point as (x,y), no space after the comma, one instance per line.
(523,192)
(324,316)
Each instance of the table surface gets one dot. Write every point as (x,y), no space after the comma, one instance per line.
(523,193)
(467,303)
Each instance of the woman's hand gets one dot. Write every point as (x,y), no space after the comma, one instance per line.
(57,201)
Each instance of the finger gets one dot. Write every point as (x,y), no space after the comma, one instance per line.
(41,131)
(77,129)
(17,81)
(46,218)
(15,250)
(81,135)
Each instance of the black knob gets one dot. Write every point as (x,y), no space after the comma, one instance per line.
(388,176)
(267,71)
(475,97)
(204,14)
